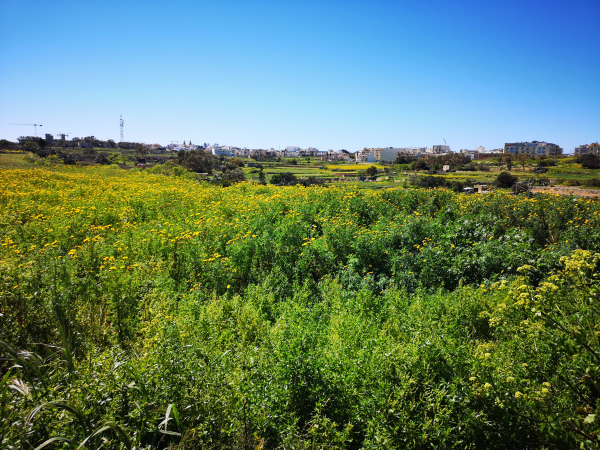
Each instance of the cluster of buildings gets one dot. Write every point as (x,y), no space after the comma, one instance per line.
(593,149)
(365,155)
(243,152)
(390,154)
(533,149)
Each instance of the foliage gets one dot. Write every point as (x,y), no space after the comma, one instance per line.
(284,179)
(229,177)
(262,179)
(593,182)
(371,171)
(233,164)
(151,311)
(437,181)
(198,161)
(31,146)
(420,164)
(41,142)
(546,162)
(141,151)
(505,180)
(589,161)
(311,181)
(404,159)
(7,145)
(454,159)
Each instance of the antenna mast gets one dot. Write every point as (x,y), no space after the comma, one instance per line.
(121,123)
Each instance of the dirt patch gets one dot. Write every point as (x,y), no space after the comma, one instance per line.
(567,190)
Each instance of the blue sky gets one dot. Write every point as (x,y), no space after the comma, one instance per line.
(327,74)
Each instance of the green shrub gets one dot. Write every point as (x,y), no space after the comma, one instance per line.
(505,180)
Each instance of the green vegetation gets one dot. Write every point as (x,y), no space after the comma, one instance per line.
(151,310)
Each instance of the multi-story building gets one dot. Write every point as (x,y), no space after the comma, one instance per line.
(341,155)
(439,149)
(365,155)
(389,154)
(533,148)
(471,154)
(593,149)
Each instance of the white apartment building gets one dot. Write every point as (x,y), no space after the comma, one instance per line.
(533,148)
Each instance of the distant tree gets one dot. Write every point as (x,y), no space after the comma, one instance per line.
(311,181)
(546,162)
(102,158)
(42,143)
(232,164)
(453,159)
(284,179)
(507,159)
(589,161)
(293,162)
(262,179)
(404,159)
(7,145)
(371,171)
(34,147)
(230,177)
(505,180)
(89,152)
(141,151)
(196,160)
(68,158)
(31,146)
(428,182)
(522,158)
(420,164)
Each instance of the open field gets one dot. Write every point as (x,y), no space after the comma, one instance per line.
(566,171)
(141,310)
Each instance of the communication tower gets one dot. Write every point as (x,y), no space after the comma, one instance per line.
(121,123)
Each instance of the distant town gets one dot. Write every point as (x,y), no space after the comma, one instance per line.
(365,155)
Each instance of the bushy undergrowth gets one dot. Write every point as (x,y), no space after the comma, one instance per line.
(145,311)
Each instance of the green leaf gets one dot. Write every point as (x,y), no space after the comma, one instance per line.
(55,439)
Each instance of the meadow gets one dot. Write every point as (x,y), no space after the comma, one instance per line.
(146,311)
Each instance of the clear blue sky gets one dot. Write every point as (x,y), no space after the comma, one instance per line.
(327,74)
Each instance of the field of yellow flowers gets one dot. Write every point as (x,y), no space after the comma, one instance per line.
(149,311)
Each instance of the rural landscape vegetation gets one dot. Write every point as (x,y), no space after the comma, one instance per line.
(206,302)
(318,225)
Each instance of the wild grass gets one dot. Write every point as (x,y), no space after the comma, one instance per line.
(148,311)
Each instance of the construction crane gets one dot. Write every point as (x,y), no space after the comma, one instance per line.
(34,125)
(62,135)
